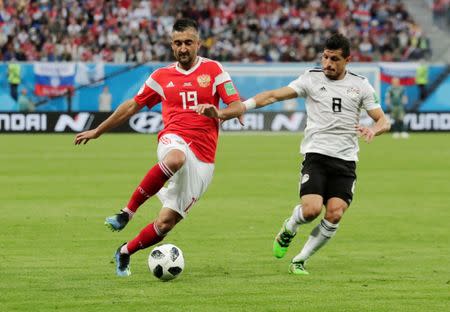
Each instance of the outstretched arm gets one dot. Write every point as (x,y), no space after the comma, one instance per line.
(233,110)
(382,124)
(237,108)
(268,97)
(120,115)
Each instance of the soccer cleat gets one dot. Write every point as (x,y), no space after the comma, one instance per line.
(298,268)
(282,241)
(118,221)
(122,263)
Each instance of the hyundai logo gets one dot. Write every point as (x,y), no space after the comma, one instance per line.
(146,122)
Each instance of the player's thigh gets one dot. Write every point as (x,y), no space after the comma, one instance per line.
(340,186)
(313,177)
(170,142)
(188,185)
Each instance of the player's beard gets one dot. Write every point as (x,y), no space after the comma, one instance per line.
(331,74)
(185,59)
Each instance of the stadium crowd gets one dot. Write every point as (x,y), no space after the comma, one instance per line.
(233,30)
(441,13)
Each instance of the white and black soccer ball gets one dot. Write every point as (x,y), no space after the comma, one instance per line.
(166,262)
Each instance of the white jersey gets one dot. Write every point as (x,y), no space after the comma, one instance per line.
(333,108)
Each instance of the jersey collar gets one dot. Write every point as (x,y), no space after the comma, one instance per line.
(192,69)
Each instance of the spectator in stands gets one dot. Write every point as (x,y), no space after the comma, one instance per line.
(119,55)
(234,30)
(441,13)
(14,78)
(422,79)
(24,102)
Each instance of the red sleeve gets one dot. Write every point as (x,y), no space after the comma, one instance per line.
(228,92)
(147,96)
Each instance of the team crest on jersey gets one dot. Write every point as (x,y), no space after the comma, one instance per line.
(353,92)
(204,80)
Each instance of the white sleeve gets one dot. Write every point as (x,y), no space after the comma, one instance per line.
(300,85)
(369,99)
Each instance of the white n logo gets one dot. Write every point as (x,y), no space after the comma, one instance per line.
(291,123)
(78,123)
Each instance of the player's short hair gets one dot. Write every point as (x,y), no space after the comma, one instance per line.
(182,24)
(338,41)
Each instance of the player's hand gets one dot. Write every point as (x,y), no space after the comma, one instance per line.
(367,133)
(84,137)
(207,110)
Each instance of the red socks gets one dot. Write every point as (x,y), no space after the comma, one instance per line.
(153,181)
(147,237)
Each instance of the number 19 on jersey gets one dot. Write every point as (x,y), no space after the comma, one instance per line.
(189,96)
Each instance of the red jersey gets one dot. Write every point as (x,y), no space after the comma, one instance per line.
(178,90)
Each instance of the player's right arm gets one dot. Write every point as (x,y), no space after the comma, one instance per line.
(269,97)
(123,112)
(297,88)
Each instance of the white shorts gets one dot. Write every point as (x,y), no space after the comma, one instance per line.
(189,183)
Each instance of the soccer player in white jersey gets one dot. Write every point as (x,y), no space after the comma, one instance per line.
(334,100)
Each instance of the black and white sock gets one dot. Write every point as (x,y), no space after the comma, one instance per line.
(296,219)
(319,236)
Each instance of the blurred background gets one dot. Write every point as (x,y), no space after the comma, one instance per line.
(90,55)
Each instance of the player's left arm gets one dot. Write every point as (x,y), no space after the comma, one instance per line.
(382,124)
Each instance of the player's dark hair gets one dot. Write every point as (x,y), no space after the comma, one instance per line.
(184,23)
(338,41)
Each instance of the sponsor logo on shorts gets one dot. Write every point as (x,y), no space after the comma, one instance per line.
(305,178)
(165,140)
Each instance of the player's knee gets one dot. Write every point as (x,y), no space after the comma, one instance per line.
(334,214)
(165,225)
(311,210)
(175,160)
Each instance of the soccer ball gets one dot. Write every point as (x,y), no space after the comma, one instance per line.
(166,262)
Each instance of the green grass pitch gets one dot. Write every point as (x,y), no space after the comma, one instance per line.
(391,253)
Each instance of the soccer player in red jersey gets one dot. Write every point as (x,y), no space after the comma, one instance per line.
(186,145)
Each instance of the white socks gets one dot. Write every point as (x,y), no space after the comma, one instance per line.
(319,236)
(295,220)
(124,249)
